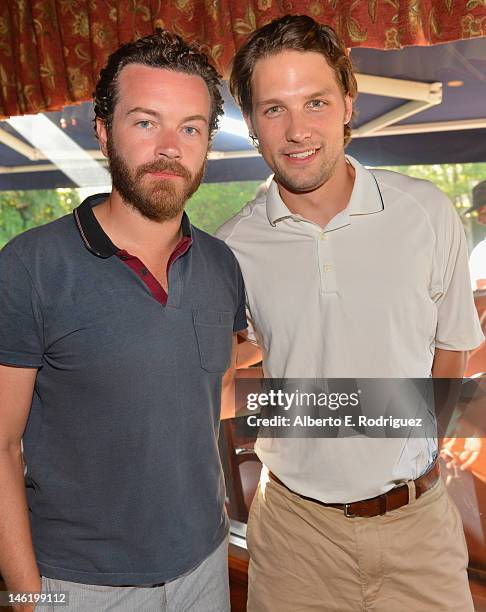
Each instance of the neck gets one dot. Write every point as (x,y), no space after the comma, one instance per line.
(325,202)
(129,230)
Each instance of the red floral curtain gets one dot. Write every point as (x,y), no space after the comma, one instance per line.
(51,51)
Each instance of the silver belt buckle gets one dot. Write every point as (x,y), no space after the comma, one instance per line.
(347,513)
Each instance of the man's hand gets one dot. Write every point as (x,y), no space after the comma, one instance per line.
(466,448)
(467,453)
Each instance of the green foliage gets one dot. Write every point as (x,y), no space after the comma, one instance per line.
(21,210)
(211,206)
(214,203)
(457,181)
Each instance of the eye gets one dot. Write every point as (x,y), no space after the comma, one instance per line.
(144,124)
(316,104)
(190,130)
(273,110)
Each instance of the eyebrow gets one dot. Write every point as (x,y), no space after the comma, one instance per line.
(320,93)
(145,111)
(196,118)
(316,94)
(152,113)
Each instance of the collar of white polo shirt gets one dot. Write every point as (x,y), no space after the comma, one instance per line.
(365,200)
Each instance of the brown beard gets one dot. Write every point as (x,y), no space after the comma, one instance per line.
(163,200)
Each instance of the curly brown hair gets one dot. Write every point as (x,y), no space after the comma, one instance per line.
(297,33)
(160,50)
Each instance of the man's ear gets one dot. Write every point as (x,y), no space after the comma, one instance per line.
(249,125)
(102,135)
(348,108)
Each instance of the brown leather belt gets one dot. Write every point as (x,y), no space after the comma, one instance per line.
(393,499)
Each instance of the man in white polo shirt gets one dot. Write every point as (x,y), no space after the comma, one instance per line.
(348,273)
(477,261)
(477,267)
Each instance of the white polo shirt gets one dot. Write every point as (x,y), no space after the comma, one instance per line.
(370,296)
(477,264)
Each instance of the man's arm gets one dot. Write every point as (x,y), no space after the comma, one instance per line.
(248,353)
(449,364)
(228,384)
(244,354)
(17,560)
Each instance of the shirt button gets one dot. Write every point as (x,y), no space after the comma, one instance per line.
(144,271)
(327,268)
(322,236)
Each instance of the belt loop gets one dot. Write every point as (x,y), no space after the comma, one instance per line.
(411,491)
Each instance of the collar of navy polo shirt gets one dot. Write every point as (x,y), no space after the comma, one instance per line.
(365,199)
(93,235)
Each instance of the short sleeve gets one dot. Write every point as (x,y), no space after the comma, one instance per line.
(240,321)
(458,327)
(21,328)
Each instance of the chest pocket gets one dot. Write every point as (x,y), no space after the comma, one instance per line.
(214,332)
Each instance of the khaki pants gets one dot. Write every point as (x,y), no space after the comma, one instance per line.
(308,558)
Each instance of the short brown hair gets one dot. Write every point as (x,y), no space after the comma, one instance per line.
(160,50)
(297,33)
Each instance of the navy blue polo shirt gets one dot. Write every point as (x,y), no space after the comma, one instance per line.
(123,478)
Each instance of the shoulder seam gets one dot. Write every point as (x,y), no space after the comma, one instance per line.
(419,204)
(240,220)
(32,284)
(12,246)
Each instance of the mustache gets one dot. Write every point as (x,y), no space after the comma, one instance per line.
(160,165)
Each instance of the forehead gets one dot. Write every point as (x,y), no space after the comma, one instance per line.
(161,89)
(292,73)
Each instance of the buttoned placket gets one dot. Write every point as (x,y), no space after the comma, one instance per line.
(325,257)
(327,267)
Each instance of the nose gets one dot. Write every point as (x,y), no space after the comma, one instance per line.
(297,128)
(168,144)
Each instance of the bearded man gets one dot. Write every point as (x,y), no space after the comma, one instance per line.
(116,328)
